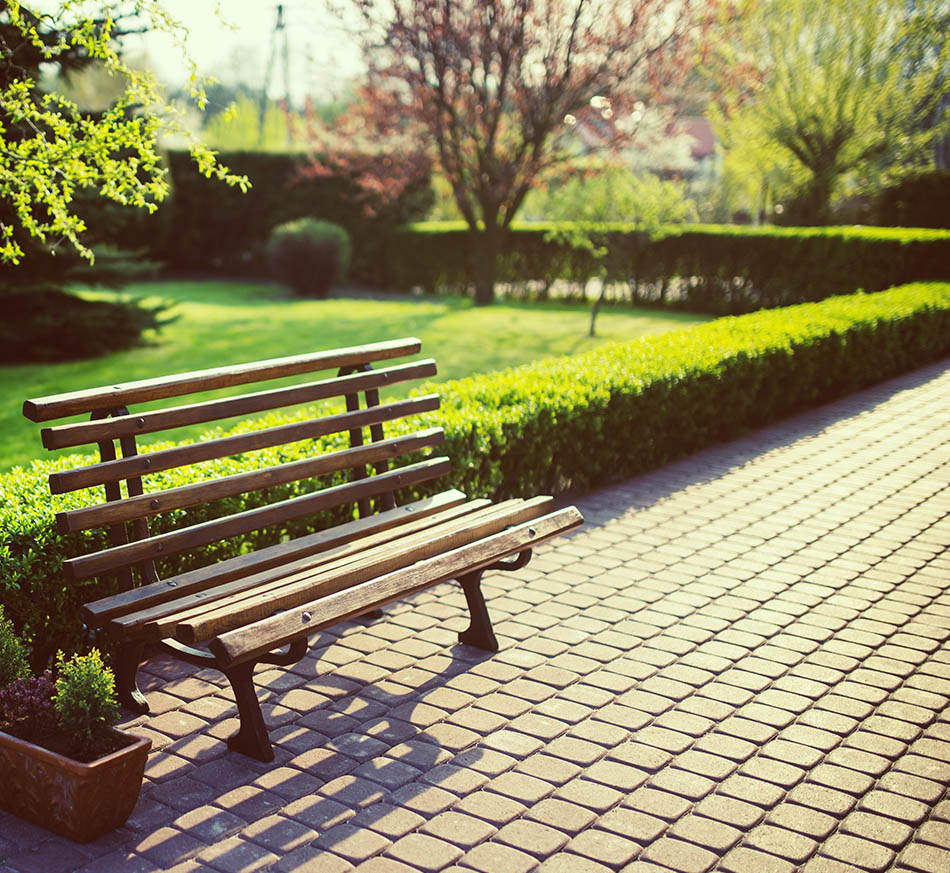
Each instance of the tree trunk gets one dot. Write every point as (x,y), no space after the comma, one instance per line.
(486,248)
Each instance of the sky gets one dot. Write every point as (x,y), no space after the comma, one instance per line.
(322,55)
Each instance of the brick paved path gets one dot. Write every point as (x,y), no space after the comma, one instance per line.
(741,663)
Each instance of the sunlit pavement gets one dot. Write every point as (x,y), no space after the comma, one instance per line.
(740,663)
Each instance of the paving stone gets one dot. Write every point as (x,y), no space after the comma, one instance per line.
(168,846)
(927,859)
(565,862)
(935,832)
(604,847)
(897,806)
(422,852)
(781,842)
(841,778)
(492,808)
(878,828)
(352,843)
(661,804)
(755,791)
(427,800)
(706,832)
(553,770)
(680,856)
(803,820)
(532,838)
(911,786)
(746,860)
(464,831)
(859,852)
(730,811)
(494,857)
(689,785)
(390,821)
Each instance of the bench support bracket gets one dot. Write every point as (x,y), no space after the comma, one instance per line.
(252,738)
(479,633)
(128,659)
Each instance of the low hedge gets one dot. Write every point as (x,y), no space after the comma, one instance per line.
(582,421)
(715,269)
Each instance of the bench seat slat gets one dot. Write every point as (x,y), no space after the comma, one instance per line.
(86,432)
(177,541)
(98,613)
(207,450)
(257,639)
(109,397)
(153,620)
(156,502)
(208,620)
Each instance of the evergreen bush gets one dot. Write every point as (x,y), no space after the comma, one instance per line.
(310,255)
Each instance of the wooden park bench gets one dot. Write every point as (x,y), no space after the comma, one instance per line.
(242,611)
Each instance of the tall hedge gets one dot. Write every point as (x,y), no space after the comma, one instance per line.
(204,226)
(571,423)
(715,269)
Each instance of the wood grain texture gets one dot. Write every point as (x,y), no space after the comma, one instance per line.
(156,502)
(97,613)
(87,432)
(178,541)
(207,620)
(111,396)
(160,622)
(207,450)
(253,640)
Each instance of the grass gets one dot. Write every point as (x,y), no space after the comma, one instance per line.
(221,322)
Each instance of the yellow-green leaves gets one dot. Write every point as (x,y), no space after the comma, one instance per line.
(50,150)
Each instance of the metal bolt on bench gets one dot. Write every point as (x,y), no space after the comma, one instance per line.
(243,611)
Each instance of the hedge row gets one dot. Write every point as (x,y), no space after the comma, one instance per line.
(206,226)
(720,270)
(582,421)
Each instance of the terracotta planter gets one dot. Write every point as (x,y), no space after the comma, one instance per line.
(79,801)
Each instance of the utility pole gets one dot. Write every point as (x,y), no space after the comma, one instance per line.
(278,42)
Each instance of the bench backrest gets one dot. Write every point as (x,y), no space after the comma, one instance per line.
(134,548)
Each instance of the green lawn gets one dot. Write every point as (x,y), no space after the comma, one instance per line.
(222,323)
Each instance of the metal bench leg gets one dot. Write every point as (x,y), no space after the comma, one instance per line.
(479,632)
(251,739)
(128,658)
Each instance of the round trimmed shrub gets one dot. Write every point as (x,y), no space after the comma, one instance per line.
(309,255)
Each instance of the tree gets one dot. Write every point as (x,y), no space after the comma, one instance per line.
(595,196)
(50,149)
(499,88)
(835,90)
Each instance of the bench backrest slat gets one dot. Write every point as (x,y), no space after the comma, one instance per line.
(85,432)
(134,495)
(207,450)
(175,542)
(155,502)
(76,402)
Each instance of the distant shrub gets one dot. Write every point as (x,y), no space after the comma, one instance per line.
(309,255)
(46,324)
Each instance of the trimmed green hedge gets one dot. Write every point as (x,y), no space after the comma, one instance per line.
(570,423)
(716,269)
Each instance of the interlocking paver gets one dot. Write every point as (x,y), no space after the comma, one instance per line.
(857,851)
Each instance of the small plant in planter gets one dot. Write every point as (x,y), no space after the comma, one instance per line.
(62,762)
